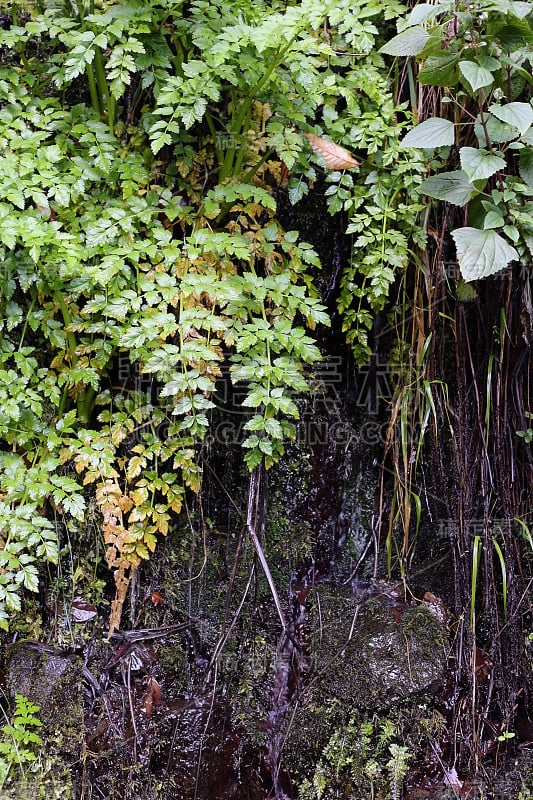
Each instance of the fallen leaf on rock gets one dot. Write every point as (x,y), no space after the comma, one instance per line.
(82,611)
(336,157)
(157,599)
(152,696)
(396,614)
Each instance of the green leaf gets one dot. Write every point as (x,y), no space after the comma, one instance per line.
(526,166)
(465,293)
(512,232)
(408,43)
(425,11)
(481,253)
(521,9)
(434,132)
(452,187)
(476,76)
(497,131)
(479,163)
(488,62)
(439,70)
(30,577)
(518,115)
(493,220)
(513,35)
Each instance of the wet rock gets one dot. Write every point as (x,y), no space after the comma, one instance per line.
(52,679)
(517,781)
(366,656)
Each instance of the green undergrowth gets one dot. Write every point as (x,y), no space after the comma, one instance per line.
(143,144)
(370,757)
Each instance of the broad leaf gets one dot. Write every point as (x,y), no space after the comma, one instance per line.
(479,163)
(514,34)
(497,131)
(439,70)
(493,220)
(434,132)
(526,165)
(424,12)
(519,115)
(476,76)
(481,253)
(452,187)
(408,43)
(521,9)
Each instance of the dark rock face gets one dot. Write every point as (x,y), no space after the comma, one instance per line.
(363,658)
(384,661)
(52,679)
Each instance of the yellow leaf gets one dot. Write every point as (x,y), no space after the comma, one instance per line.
(336,157)
(118,434)
(137,463)
(141,550)
(139,495)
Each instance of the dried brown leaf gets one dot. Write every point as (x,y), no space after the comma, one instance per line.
(82,611)
(336,157)
(152,696)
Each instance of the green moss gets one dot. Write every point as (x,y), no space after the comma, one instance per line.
(53,681)
(360,656)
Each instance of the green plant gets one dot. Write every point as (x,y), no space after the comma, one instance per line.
(526,435)
(480,61)
(397,769)
(104,257)
(467,69)
(138,225)
(19,738)
(356,756)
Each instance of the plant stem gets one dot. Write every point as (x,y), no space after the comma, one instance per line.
(103,88)
(95,102)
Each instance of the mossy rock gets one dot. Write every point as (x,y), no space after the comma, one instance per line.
(381,665)
(516,782)
(51,679)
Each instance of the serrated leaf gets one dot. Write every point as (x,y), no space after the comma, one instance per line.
(424,12)
(518,115)
(497,131)
(480,164)
(336,157)
(477,76)
(75,505)
(521,9)
(451,187)
(434,132)
(526,166)
(514,34)
(465,293)
(407,43)
(297,191)
(12,600)
(481,253)
(488,62)
(31,579)
(493,220)
(439,70)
